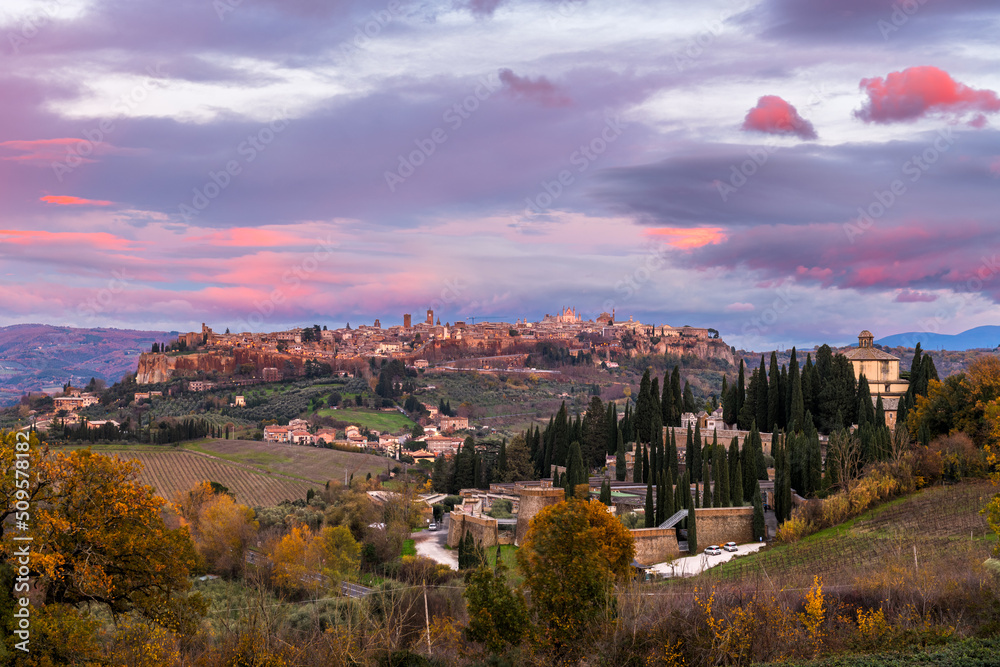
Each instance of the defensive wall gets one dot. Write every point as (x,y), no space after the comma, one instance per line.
(655,545)
(718,525)
(533,500)
(483,528)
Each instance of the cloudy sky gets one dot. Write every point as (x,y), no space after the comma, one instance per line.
(787,172)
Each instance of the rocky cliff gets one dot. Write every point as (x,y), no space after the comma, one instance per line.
(155,368)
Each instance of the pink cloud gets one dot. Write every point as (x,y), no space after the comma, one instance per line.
(64,200)
(918,91)
(690,238)
(539,90)
(995,166)
(739,307)
(99,240)
(774,115)
(247,237)
(909,296)
(44,150)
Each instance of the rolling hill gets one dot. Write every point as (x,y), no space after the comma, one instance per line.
(980,337)
(36,357)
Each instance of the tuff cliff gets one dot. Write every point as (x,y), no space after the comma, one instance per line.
(158,367)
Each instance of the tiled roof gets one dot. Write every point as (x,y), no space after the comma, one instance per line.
(869,354)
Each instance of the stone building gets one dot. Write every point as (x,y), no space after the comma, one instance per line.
(881,370)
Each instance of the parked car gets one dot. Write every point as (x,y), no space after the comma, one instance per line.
(432,526)
(713,550)
(730,546)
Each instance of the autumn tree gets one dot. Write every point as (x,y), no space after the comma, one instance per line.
(221,528)
(100,537)
(572,555)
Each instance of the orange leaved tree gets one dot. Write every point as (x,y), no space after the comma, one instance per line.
(572,555)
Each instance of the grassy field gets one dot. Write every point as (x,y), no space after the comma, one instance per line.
(935,528)
(393,422)
(175,471)
(310,464)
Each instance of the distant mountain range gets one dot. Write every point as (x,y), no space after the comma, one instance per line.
(40,357)
(980,337)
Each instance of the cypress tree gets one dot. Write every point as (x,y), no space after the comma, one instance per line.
(689,404)
(735,474)
(725,493)
(866,414)
(644,410)
(741,391)
(645,464)
(706,481)
(762,400)
(696,451)
(689,449)
(672,457)
(661,493)
(692,528)
(774,411)
(606,491)
(759,527)
(879,412)
(669,506)
(502,459)
(650,513)
(576,470)
(786,488)
(809,390)
(611,429)
(677,395)
(621,465)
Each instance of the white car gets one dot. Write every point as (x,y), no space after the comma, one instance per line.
(432,526)
(713,551)
(730,546)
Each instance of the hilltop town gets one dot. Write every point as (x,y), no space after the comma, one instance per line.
(483,345)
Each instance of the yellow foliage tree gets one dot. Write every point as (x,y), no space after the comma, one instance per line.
(572,554)
(221,527)
(308,561)
(99,537)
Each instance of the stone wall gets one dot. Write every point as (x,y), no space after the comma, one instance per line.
(718,525)
(725,437)
(532,502)
(655,545)
(484,529)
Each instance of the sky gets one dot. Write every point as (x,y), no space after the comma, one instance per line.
(786,172)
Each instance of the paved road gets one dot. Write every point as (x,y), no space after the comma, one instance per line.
(432,545)
(691,565)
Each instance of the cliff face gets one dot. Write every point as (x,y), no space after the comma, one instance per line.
(155,368)
(703,348)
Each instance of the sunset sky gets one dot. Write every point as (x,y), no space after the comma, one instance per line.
(787,172)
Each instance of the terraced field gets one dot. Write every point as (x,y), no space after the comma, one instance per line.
(176,471)
(310,464)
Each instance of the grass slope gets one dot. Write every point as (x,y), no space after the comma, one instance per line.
(392,422)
